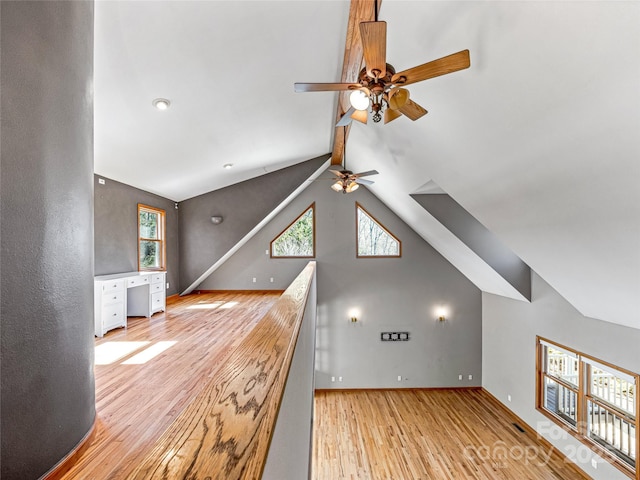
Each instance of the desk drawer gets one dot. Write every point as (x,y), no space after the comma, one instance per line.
(113,316)
(157,278)
(116,296)
(157,301)
(138,280)
(113,286)
(157,287)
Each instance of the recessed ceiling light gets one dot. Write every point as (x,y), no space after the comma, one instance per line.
(227,165)
(161,103)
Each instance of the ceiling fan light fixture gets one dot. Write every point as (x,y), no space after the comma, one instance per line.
(337,187)
(352,187)
(359,100)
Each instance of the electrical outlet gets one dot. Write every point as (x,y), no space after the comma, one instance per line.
(101,181)
(266,252)
(399,378)
(594,463)
(470,377)
(167,285)
(459,377)
(254,280)
(333,379)
(339,379)
(509,397)
(271,279)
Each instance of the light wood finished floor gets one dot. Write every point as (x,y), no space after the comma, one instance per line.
(136,402)
(425,434)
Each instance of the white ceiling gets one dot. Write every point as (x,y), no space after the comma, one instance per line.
(538,139)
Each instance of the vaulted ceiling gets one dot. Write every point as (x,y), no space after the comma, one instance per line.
(538,139)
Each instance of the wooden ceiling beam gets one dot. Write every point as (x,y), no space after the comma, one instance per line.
(359,11)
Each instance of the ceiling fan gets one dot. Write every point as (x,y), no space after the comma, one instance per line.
(348,181)
(379,86)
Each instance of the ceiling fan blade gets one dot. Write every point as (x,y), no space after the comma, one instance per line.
(366,174)
(442,66)
(337,173)
(346,118)
(412,110)
(324,87)
(363,181)
(374,46)
(390,115)
(360,115)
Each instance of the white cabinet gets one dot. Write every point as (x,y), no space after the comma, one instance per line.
(110,297)
(133,294)
(158,292)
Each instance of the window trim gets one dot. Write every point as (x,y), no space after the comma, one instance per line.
(359,205)
(313,239)
(584,394)
(161,240)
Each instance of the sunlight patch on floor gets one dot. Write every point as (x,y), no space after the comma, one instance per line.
(205,305)
(149,353)
(228,305)
(110,352)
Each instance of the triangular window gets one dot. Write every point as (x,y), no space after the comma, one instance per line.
(373,240)
(298,239)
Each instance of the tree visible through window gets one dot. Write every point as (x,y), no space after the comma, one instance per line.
(373,240)
(298,239)
(151,238)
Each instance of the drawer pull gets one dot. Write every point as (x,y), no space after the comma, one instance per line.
(115,298)
(115,314)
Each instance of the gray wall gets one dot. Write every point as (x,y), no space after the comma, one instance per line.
(289,455)
(242,205)
(391,294)
(116,229)
(509,336)
(479,239)
(47,233)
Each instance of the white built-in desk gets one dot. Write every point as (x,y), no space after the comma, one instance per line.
(122,295)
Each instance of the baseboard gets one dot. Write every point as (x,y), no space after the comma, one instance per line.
(64,465)
(173,298)
(531,431)
(324,390)
(197,292)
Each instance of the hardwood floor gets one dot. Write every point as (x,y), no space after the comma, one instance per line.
(365,435)
(425,434)
(137,398)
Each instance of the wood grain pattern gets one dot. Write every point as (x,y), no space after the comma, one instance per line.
(135,404)
(426,434)
(225,432)
(374,46)
(359,11)
(441,66)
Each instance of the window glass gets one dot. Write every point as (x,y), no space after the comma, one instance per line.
(562,364)
(560,400)
(151,238)
(297,240)
(373,240)
(606,394)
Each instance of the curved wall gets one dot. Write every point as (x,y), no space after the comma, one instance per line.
(46,227)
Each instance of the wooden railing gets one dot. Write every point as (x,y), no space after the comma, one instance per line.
(226,431)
